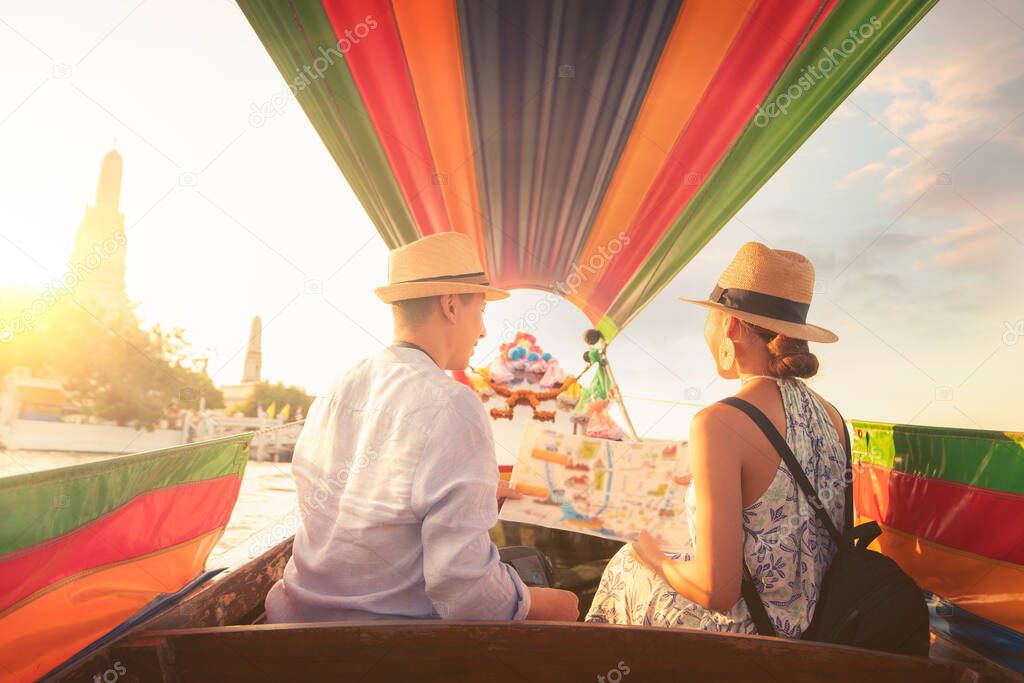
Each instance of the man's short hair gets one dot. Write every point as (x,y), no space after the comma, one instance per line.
(416,312)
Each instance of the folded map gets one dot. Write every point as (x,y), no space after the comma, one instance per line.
(611,489)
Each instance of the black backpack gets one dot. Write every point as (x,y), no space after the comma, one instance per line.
(866,600)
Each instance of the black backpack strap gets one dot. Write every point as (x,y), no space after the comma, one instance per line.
(748,589)
(786,453)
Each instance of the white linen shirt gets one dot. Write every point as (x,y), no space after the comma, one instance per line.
(396,478)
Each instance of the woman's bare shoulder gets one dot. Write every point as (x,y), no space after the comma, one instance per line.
(716,435)
(723,424)
(713,418)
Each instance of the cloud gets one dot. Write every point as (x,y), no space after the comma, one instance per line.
(944,109)
(873,168)
(979,244)
(966,232)
(872,284)
(951,105)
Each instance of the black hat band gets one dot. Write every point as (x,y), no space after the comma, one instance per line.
(769,306)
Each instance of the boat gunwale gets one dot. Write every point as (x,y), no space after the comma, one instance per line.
(326,646)
(208,602)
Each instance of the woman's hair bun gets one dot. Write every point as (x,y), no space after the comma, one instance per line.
(790,357)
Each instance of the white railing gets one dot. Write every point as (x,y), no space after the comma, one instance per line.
(275,439)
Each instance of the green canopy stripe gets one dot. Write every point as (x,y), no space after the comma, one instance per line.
(333,104)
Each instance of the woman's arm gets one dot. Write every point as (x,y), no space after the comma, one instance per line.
(713,578)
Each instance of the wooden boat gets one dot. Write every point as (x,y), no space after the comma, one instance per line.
(446,75)
(130,537)
(218,633)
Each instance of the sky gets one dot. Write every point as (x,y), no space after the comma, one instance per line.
(908,200)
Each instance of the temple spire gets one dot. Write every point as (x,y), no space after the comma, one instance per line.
(254,355)
(100,246)
(108,192)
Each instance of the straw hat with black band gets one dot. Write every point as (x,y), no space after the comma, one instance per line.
(442,263)
(770,288)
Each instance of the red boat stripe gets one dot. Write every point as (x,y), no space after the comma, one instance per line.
(975,520)
(153,521)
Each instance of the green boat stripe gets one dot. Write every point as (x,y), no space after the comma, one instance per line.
(986,459)
(42,505)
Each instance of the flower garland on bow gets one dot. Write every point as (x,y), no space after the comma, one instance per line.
(519,397)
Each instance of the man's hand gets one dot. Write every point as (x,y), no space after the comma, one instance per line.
(553,604)
(506,491)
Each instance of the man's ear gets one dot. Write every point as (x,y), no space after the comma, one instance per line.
(448,306)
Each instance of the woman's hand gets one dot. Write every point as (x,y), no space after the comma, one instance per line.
(647,550)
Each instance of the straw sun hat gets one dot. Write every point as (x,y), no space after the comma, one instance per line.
(442,263)
(770,288)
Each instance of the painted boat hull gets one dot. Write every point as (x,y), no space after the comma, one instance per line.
(211,636)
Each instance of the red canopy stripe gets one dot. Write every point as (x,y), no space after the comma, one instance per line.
(430,37)
(584,120)
(367,32)
(700,39)
(773,33)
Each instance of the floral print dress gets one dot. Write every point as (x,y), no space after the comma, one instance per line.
(785,546)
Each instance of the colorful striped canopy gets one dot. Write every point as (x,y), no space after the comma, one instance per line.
(589,147)
(951,503)
(83,548)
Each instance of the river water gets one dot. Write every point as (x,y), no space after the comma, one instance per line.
(265,514)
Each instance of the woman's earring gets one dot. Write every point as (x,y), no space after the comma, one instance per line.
(726,354)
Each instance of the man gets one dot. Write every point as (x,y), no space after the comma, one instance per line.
(396,473)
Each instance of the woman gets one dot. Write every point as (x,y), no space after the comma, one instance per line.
(743,504)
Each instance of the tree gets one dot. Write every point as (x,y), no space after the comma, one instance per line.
(112,367)
(189,381)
